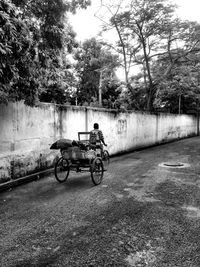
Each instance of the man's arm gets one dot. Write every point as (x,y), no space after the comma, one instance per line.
(102,138)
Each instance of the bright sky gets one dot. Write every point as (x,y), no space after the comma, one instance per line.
(86,25)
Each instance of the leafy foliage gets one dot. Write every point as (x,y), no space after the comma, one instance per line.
(180,91)
(35,39)
(139,24)
(177,71)
(162,46)
(16,52)
(95,67)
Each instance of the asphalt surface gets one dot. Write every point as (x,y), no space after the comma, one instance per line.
(144,213)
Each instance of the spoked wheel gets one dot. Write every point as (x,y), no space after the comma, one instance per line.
(106,159)
(62,170)
(97,171)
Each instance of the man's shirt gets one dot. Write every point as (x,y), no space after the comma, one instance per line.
(96,137)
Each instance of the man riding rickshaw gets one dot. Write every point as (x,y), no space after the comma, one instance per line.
(96,139)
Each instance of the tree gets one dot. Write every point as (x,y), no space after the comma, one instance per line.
(139,27)
(109,23)
(16,56)
(180,91)
(56,39)
(147,33)
(178,69)
(95,66)
(34,41)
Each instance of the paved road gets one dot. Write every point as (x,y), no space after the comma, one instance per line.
(143,214)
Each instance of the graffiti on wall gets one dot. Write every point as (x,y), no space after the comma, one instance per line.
(122,126)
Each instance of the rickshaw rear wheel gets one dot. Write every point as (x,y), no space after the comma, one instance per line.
(61,170)
(97,171)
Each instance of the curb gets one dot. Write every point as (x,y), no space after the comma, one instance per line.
(25,179)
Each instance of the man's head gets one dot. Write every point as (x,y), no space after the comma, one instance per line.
(96,126)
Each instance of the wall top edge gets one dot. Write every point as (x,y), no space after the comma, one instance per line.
(85,108)
(116,111)
(77,107)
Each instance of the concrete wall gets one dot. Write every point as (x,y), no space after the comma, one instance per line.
(26,133)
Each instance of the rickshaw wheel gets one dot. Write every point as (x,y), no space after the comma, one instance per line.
(106,159)
(61,170)
(97,171)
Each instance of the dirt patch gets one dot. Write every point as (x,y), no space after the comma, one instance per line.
(178,194)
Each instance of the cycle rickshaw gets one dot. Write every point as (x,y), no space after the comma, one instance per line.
(81,158)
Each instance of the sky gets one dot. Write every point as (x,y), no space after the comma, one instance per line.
(86,25)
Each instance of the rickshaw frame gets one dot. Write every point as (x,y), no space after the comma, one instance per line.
(93,165)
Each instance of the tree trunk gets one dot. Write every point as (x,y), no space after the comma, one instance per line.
(150,91)
(100,88)
(179,104)
(150,98)
(124,53)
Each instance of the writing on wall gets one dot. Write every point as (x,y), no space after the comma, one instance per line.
(122,126)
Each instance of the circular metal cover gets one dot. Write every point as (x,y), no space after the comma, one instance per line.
(174,164)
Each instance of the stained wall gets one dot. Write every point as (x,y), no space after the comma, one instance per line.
(26,133)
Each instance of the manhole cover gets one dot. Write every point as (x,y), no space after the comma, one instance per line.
(178,164)
(174,164)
